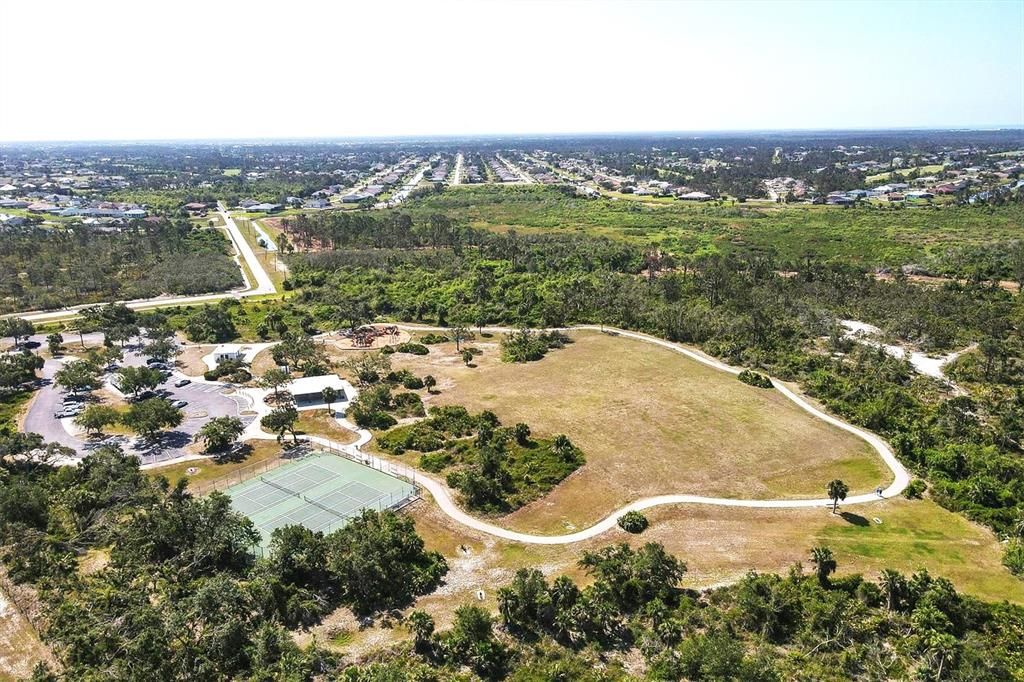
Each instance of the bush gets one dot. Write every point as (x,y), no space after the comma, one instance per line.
(1013,557)
(431,339)
(526,345)
(633,522)
(407,405)
(412,383)
(229,367)
(915,489)
(411,348)
(755,379)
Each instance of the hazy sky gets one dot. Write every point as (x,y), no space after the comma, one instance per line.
(220,69)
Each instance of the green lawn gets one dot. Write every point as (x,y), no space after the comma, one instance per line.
(10,408)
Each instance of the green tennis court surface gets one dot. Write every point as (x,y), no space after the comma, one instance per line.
(321,492)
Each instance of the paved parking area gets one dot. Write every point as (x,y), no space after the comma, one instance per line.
(205,401)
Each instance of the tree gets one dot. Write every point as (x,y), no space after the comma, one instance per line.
(76,376)
(54,343)
(211,324)
(220,433)
(280,421)
(150,416)
(837,491)
(430,382)
(824,563)
(16,328)
(368,367)
(275,378)
(521,432)
(18,368)
(467,358)
(135,380)
(381,561)
(422,626)
(329,395)
(95,418)
(894,587)
(460,334)
(161,349)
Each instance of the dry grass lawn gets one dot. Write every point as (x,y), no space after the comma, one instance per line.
(650,421)
(190,361)
(20,648)
(321,423)
(209,470)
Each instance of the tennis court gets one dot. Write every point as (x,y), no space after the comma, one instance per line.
(321,492)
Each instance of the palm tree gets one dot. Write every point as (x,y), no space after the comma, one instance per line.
(893,585)
(824,563)
(837,491)
(329,395)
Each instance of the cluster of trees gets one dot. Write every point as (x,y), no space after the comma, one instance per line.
(182,595)
(64,267)
(765,627)
(526,345)
(495,468)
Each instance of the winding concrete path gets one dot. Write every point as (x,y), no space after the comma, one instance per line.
(443,495)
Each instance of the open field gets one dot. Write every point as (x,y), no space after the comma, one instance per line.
(702,431)
(867,236)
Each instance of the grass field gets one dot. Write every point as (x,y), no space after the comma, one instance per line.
(650,421)
(11,406)
(321,423)
(868,236)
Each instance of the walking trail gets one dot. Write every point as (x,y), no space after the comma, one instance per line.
(442,494)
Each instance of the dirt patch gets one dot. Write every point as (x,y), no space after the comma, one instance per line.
(190,361)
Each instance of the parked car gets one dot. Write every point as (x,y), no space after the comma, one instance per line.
(154,361)
(179,403)
(182,382)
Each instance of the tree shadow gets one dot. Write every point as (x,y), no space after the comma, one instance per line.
(855,519)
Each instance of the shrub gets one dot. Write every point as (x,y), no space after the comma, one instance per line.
(226,368)
(412,383)
(407,405)
(633,522)
(411,348)
(915,489)
(431,339)
(1013,557)
(755,379)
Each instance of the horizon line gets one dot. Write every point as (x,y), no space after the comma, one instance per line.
(525,135)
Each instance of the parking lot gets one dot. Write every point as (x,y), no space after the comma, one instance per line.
(203,402)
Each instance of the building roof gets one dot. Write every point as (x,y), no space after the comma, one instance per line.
(310,385)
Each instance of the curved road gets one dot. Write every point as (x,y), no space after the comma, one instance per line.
(443,495)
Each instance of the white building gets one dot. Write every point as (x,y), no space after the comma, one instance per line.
(308,392)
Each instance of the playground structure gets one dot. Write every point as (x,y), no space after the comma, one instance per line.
(370,336)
